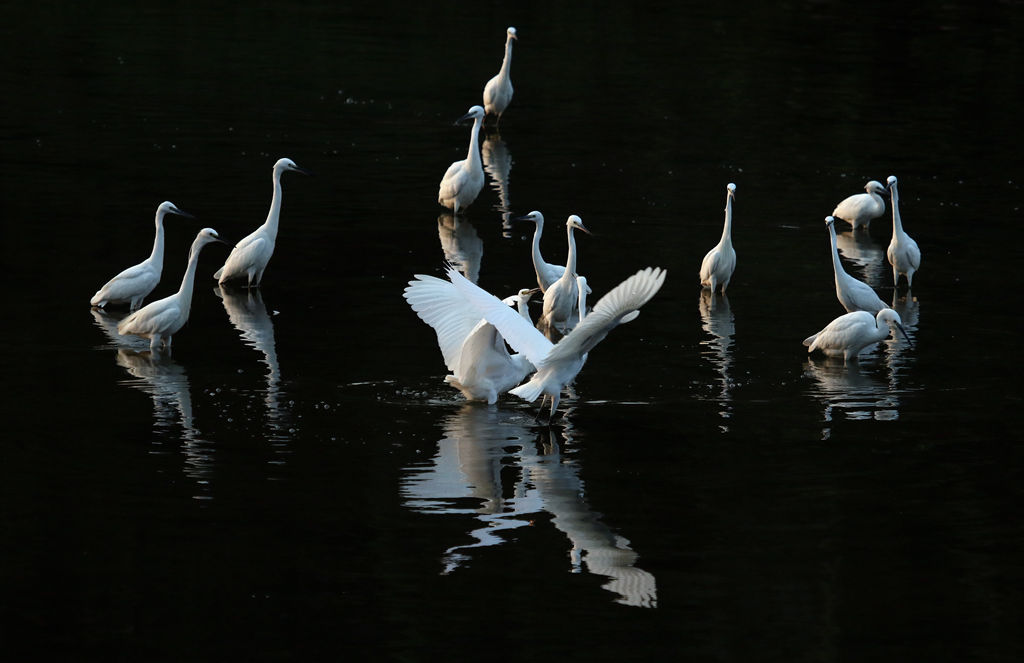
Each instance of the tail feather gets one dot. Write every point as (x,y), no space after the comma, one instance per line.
(528,391)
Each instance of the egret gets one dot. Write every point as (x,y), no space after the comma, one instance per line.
(720,262)
(473,350)
(850,333)
(860,208)
(903,254)
(160,320)
(853,294)
(558,363)
(547,273)
(464,179)
(133,284)
(498,91)
(561,296)
(250,256)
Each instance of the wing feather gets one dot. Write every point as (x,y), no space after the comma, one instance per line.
(439,304)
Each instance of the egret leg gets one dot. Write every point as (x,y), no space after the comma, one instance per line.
(554,407)
(541,409)
(910,278)
(895,277)
(154,342)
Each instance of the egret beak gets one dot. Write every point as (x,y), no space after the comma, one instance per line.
(304,171)
(224,241)
(904,332)
(521,218)
(183,213)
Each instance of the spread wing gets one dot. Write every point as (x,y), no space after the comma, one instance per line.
(439,304)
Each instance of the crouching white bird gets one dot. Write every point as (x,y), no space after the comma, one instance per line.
(160,320)
(853,294)
(903,253)
(473,350)
(557,364)
(848,334)
(464,179)
(250,256)
(860,208)
(498,91)
(720,262)
(133,284)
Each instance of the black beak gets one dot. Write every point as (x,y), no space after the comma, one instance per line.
(904,332)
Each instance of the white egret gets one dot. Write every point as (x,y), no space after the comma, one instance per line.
(720,262)
(160,320)
(561,296)
(903,253)
(850,333)
(133,284)
(547,273)
(250,256)
(498,91)
(473,350)
(860,208)
(557,364)
(853,294)
(464,179)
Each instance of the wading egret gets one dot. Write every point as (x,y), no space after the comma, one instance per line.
(860,208)
(160,320)
(473,350)
(720,262)
(498,91)
(853,294)
(903,254)
(250,256)
(560,299)
(547,273)
(133,284)
(850,333)
(464,179)
(557,364)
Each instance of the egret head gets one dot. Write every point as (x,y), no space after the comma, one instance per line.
(207,235)
(891,182)
(511,32)
(581,283)
(167,207)
(534,216)
(283,165)
(576,222)
(475,113)
(874,187)
(829,220)
(731,188)
(892,319)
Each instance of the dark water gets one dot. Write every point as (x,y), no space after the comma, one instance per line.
(296,483)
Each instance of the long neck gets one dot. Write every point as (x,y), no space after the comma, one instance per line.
(187,281)
(157,256)
(836,264)
(897,223)
(522,305)
(473,156)
(275,206)
(582,303)
(570,261)
(727,229)
(537,258)
(506,64)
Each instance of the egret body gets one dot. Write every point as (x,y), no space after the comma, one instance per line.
(133,284)
(848,334)
(561,296)
(720,262)
(860,208)
(250,256)
(160,320)
(464,179)
(853,294)
(903,253)
(498,91)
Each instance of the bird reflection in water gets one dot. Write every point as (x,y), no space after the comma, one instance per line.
(854,389)
(462,247)
(491,465)
(717,320)
(865,253)
(498,164)
(909,310)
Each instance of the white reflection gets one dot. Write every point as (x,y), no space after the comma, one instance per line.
(489,465)
(498,164)
(854,390)
(864,252)
(462,247)
(108,325)
(719,323)
(900,354)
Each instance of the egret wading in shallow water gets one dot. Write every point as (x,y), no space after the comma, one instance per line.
(250,256)
(558,363)
(903,253)
(160,320)
(464,179)
(133,284)
(498,91)
(848,334)
(547,273)
(860,208)
(561,297)
(853,294)
(473,350)
(720,262)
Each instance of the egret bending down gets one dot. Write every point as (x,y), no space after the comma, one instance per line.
(561,298)
(133,284)
(160,320)
(498,91)
(860,208)
(853,294)
(473,350)
(250,256)
(903,253)
(464,179)
(848,334)
(720,262)
(557,364)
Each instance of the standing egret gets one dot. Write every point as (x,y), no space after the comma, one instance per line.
(850,333)
(561,296)
(853,294)
(860,208)
(720,262)
(473,350)
(464,179)
(547,273)
(133,284)
(498,91)
(160,320)
(250,256)
(558,363)
(903,254)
